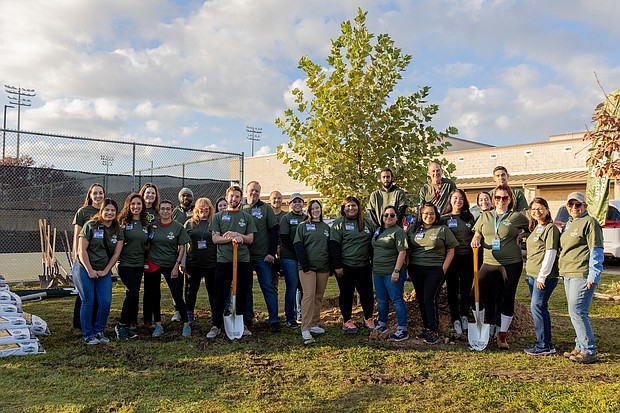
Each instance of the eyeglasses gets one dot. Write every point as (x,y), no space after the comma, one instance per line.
(575,205)
(501,198)
(392,215)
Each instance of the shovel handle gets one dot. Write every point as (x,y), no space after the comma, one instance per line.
(476,287)
(234,269)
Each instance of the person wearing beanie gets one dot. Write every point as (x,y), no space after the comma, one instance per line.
(184,210)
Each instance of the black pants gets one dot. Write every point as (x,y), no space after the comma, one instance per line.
(152,294)
(459,279)
(223,282)
(353,278)
(427,282)
(76,311)
(132,278)
(194,277)
(504,277)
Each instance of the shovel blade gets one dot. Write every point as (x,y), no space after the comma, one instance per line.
(233,324)
(478,332)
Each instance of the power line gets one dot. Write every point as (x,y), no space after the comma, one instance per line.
(253,134)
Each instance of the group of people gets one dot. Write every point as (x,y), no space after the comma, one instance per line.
(370,250)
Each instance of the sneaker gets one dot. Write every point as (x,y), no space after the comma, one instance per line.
(275,327)
(399,335)
(422,335)
(214,332)
(246,332)
(159,330)
(292,324)
(458,327)
(131,333)
(552,350)
(190,316)
(464,323)
(102,338)
(536,351)
(502,342)
(369,323)
(121,332)
(583,358)
(176,316)
(306,335)
(187,330)
(350,327)
(317,330)
(573,352)
(91,340)
(381,329)
(432,338)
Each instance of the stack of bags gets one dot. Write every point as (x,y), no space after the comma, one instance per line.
(18,330)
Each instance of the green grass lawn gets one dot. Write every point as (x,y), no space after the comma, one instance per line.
(277,372)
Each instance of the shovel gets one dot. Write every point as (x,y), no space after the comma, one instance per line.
(233,323)
(477,332)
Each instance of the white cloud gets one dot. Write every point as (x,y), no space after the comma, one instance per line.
(152,126)
(264,150)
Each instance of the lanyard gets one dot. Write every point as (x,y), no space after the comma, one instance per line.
(438,191)
(496,223)
(203,229)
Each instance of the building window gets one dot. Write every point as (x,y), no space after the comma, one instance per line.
(493,156)
(568,148)
(461,159)
(528,152)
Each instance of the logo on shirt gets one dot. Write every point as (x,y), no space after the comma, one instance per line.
(242,222)
(113,239)
(170,235)
(326,233)
(432,237)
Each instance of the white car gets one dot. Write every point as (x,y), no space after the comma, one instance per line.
(611,229)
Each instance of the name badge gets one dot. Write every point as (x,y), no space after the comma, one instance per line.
(293,221)
(540,230)
(226,218)
(452,223)
(256,212)
(202,245)
(189,213)
(419,235)
(310,227)
(349,226)
(129,227)
(496,244)
(98,234)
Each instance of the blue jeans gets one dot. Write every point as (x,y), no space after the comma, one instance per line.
(291,279)
(579,298)
(387,291)
(540,311)
(89,288)
(263,273)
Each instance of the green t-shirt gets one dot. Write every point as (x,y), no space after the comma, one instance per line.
(151,216)
(579,237)
(314,236)
(236,221)
(428,246)
(462,231)
(508,228)
(382,198)
(387,244)
(264,220)
(181,216)
(97,254)
(288,226)
(135,235)
(202,252)
(436,194)
(165,241)
(520,201)
(356,245)
(543,238)
(84,214)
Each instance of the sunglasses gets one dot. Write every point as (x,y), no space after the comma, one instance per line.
(392,215)
(501,198)
(575,204)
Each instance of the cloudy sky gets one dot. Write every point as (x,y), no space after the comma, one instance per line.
(194,73)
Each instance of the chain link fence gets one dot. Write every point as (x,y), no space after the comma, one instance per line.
(46,176)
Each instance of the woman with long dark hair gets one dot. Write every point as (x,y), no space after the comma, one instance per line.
(100,245)
(542,272)
(431,247)
(132,220)
(350,253)
(150,194)
(460,275)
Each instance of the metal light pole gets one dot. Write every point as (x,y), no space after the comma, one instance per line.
(4,131)
(253,135)
(106,160)
(19,101)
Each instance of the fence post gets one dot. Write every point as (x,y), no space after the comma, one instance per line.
(133,169)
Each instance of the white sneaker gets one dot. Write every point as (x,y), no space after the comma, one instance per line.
(464,323)
(214,332)
(246,332)
(317,330)
(306,335)
(457,327)
(176,316)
